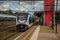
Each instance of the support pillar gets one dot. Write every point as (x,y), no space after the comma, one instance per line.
(49,9)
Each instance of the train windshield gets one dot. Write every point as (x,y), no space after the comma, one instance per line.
(22,17)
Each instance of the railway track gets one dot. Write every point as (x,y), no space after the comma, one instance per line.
(6,26)
(14,36)
(8,32)
(2,29)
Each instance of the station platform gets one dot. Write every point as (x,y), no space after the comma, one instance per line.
(38,34)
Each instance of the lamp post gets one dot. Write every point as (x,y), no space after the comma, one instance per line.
(56,14)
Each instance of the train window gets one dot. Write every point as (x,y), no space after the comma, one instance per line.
(30,20)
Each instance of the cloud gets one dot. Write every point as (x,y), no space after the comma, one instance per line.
(4,6)
(17,8)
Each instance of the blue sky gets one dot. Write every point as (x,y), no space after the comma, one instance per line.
(14,5)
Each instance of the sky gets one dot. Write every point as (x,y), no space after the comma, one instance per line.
(14,5)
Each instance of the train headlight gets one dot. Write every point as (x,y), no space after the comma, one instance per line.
(21,27)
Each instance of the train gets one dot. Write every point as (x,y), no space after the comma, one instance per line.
(24,21)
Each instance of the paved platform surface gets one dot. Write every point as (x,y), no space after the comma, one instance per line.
(43,35)
(47,36)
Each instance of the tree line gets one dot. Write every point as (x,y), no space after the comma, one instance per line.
(9,12)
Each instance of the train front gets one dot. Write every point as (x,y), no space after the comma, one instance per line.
(22,21)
